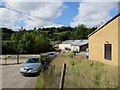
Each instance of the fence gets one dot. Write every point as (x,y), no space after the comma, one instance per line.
(53,76)
(14,59)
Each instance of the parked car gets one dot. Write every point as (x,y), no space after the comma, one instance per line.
(52,55)
(31,66)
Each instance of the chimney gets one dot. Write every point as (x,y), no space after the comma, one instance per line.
(101,23)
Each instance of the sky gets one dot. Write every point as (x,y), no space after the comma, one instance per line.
(28,15)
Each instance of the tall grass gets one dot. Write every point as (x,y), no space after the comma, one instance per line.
(83,73)
(89,74)
(39,82)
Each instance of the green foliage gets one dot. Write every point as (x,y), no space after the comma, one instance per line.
(80,73)
(39,82)
(39,40)
(80,32)
(71,54)
(96,65)
(97,80)
(22,44)
(28,43)
(42,43)
(44,59)
(72,63)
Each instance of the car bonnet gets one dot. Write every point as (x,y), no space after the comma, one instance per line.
(31,65)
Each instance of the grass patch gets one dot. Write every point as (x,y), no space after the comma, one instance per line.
(39,82)
(83,73)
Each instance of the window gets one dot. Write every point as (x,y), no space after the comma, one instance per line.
(67,48)
(108,51)
(32,60)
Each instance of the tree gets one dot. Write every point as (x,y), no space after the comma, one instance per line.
(80,32)
(38,40)
(13,43)
(22,44)
(42,44)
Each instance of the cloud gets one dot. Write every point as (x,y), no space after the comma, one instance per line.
(45,10)
(93,13)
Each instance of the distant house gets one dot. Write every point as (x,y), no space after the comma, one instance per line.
(56,45)
(103,43)
(74,45)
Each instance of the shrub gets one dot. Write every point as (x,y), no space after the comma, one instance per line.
(39,82)
(72,63)
(71,54)
(44,59)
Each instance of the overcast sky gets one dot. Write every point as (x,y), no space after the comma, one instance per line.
(56,13)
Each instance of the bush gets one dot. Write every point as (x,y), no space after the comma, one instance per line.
(72,63)
(71,54)
(39,82)
(44,59)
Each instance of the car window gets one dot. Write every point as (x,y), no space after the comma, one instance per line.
(51,54)
(33,60)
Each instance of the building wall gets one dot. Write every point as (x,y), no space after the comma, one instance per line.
(75,48)
(97,40)
(63,46)
(119,42)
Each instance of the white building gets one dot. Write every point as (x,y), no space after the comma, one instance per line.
(74,45)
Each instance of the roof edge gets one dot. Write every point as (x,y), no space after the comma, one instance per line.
(103,25)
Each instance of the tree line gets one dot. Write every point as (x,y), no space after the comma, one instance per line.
(39,40)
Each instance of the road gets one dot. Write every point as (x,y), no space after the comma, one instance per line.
(11,78)
(82,54)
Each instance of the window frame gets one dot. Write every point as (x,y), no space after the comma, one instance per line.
(108,51)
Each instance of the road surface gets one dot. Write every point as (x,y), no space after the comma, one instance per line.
(11,78)
(82,54)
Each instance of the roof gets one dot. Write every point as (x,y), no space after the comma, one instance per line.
(67,42)
(103,25)
(76,42)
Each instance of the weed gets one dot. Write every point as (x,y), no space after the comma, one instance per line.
(71,54)
(83,73)
(39,82)
(97,79)
(72,63)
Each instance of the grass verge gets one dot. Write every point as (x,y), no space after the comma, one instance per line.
(83,73)
(39,82)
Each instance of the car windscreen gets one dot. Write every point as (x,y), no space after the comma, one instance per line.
(51,54)
(33,60)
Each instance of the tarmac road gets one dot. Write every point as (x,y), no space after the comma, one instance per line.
(11,78)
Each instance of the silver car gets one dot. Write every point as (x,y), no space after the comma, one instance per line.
(31,66)
(51,55)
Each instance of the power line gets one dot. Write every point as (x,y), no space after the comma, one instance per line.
(22,14)
(15,10)
(29,14)
(18,12)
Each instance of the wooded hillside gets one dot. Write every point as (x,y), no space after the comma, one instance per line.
(39,40)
